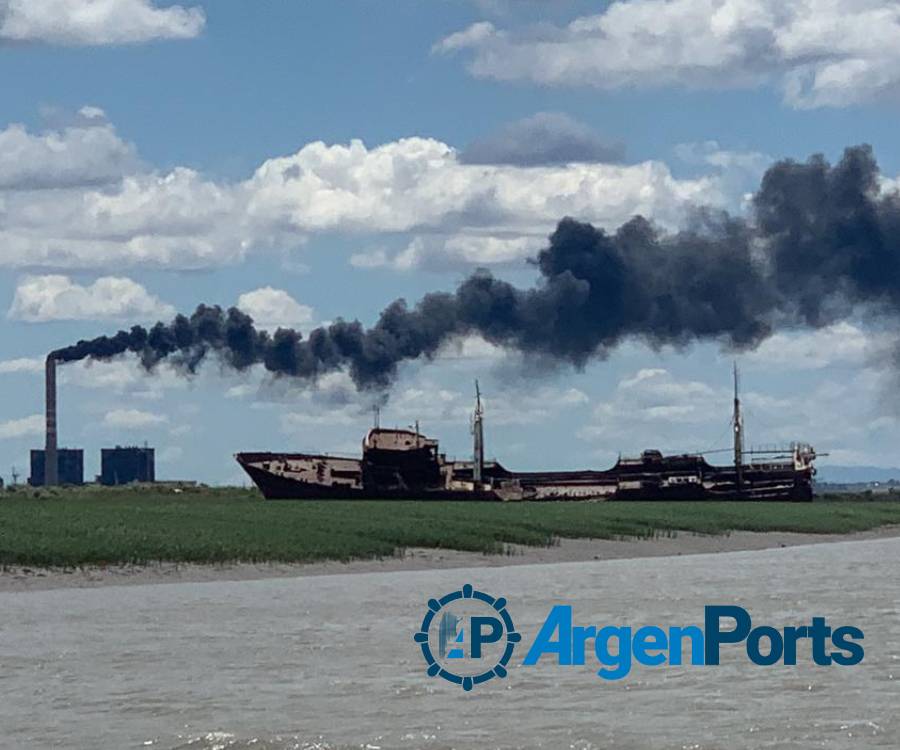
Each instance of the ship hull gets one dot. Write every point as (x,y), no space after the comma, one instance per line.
(680,478)
(276,487)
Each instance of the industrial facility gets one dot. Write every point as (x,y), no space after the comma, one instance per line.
(123,465)
(55,466)
(69,467)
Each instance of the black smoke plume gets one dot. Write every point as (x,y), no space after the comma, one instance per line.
(820,242)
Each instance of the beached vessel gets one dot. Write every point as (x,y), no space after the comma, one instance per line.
(404,464)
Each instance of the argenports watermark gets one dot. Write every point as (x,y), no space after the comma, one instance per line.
(467,637)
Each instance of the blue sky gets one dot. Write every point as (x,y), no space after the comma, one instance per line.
(143,154)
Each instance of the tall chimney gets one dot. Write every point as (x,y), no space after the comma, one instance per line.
(51,461)
(478,432)
(738,425)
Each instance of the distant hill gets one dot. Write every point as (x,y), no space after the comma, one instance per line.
(855,474)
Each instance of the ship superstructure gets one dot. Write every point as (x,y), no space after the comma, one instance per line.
(404,464)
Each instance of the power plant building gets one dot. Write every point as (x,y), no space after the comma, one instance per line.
(69,467)
(125,465)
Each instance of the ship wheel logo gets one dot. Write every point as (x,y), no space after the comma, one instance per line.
(467,637)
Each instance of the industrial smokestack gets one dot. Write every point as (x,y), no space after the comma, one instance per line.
(478,433)
(51,461)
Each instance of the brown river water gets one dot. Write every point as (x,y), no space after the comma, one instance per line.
(329,661)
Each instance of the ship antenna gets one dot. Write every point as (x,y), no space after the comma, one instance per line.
(738,424)
(376,411)
(478,433)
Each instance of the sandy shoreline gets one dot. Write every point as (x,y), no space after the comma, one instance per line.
(23,579)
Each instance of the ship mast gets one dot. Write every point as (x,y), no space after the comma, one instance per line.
(738,425)
(478,433)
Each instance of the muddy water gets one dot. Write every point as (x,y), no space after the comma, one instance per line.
(329,661)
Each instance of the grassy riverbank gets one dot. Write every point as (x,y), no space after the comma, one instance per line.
(93,526)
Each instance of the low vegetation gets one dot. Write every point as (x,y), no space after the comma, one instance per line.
(71,527)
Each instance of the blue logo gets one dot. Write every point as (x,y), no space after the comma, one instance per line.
(467,637)
(472,634)
(617,647)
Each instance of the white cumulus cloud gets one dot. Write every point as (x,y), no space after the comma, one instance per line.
(132,419)
(842,343)
(477,33)
(470,347)
(436,252)
(542,139)
(174,220)
(39,299)
(653,407)
(123,377)
(273,308)
(819,52)
(96,22)
(459,213)
(17,428)
(420,183)
(21,364)
(86,152)
(78,198)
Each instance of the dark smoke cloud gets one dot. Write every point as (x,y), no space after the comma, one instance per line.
(821,241)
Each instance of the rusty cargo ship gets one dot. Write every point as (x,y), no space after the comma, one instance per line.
(404,464)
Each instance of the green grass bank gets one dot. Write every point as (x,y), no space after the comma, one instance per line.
(91,526)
